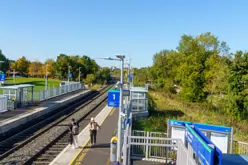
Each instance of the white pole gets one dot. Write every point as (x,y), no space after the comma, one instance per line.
(14,76)
(79,74)
(46,78)
(120,111)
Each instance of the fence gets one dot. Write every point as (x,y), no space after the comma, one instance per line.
(240,147)
(3,103)
(54,92)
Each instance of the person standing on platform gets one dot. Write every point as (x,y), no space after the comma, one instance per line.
(74,130)
(93,130)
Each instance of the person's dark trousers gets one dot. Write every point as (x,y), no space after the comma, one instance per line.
(71,139)
(93,136)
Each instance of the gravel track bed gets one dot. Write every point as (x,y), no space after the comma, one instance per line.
(33,147)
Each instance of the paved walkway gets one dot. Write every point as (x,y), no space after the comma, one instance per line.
(69,154)
(19,112)
(101,150)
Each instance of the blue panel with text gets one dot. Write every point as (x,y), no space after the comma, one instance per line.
(114,98)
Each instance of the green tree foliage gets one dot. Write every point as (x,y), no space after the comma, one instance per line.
(238,92)
(90,78)
(5,63)
(22,66)
(202,67)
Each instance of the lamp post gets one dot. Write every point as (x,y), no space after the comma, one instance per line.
(79,74)
(46,77)
(119,58)
(69,74)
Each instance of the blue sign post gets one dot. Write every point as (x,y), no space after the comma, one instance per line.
(70,76)
(3,77)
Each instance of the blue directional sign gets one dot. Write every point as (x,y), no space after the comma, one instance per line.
(201,148)
(114,98)
(3,77)
(131,77)
(70,76)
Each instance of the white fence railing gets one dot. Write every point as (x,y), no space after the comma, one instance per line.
(54,92)
(3,103)
(240,148)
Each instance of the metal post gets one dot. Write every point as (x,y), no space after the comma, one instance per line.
(46,79)
(68,85)
(120,111)
(68,75)
(14,76)
(79,74)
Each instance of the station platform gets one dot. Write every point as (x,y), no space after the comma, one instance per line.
(87,154)
(13,118)
(99,154)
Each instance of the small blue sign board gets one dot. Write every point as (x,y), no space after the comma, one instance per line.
(70,76)
(201,148)
(3,77)
(114,98)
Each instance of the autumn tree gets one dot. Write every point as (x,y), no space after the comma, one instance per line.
(49,66)
(35,69)
(22,66)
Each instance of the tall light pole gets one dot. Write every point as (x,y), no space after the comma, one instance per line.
(79,74)
(69,74)
(119,58)
(46,77)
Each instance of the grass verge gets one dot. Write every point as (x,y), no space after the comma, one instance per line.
(38,82)
(163,106)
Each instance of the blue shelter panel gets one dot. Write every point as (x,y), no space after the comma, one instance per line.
(215,128)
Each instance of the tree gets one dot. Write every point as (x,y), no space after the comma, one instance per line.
(4,64)
(90,79)
(35,69)
(22,66)
(238,83)
(50,64)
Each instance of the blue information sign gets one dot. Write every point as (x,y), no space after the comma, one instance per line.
(201,148)
(114,98)
(70,76)
(3,77)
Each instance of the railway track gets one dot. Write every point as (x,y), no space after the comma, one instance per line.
(41,143)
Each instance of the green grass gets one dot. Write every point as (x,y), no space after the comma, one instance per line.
(163,106)
(38,82)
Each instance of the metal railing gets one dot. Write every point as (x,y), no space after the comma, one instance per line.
(240,147)
(54,92)
(153,146)
(3,103)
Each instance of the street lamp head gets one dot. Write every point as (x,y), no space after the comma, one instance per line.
(120,57)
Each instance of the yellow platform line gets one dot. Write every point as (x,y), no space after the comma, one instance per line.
(81,155)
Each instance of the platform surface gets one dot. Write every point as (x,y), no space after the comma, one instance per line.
(11,115)
(233,159)
(69,154)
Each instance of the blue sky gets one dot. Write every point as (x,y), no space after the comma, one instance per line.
(41,29)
